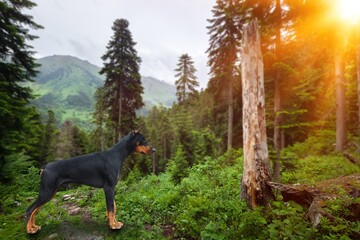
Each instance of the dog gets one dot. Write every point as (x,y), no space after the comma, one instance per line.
(100,170)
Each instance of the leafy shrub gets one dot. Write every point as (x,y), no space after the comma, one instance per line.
(205,204)
(341,227)
(317,168)
(178,166)
(210,206)
(31,180)
(287,222)
(321,143)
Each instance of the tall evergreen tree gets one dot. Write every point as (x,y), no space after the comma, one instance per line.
(99,118)
(17,66)
(186,79)
(50,139)
(225,36)
(72,141)
(122,89)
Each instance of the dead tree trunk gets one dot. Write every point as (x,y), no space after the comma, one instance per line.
(254,189)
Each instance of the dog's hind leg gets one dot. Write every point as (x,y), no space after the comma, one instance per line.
(47,190)
(111,208)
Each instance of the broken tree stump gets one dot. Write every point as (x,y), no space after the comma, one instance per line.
(254,189)
(316,197)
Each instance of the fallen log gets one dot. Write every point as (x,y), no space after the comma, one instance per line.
(316,197)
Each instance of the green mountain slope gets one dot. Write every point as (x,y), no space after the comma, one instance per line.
(66,85)
(158,92)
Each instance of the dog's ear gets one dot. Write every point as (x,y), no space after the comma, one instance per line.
(133,133)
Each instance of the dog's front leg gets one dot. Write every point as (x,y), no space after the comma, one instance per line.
(111,208)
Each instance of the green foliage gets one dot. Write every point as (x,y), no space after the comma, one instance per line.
(161,134)
(320,143)
(340,227)
(316,168)
(285,215)
(225,38)
(205,204)
(14,167)
(178,167)
(17,66)
(315,160)
(205,144)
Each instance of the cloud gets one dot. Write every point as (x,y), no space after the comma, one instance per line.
(163,31)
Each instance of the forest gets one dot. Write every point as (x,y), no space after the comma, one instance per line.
(192,186)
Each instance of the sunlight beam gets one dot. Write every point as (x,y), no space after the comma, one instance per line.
(349,10)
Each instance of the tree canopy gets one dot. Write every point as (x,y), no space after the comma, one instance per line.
(122,88)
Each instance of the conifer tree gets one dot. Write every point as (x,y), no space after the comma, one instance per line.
(72,141)
(178,167)
(225,36)
(50,137)
(122,89)
(17,66)
(99,119)
(186,79)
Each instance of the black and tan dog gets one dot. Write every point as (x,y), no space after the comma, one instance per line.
(101,170)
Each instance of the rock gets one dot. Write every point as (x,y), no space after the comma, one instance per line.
(53,236)
(67,197)
(74,210)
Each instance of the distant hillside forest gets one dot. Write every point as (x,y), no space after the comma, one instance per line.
(190,187)
(66,85)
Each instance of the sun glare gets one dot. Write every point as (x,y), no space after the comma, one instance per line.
(349,10)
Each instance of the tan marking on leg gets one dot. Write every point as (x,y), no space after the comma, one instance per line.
(31,227)
(113,223)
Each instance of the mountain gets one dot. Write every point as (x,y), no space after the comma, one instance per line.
(66,85)
(158,92)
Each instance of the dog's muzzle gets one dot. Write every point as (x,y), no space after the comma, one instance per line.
(152,149)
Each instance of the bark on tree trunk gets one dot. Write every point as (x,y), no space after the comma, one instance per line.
(254,189)
(277,130)
(340,101)
(278,140)
(358,80)
(120,111)
(230,116)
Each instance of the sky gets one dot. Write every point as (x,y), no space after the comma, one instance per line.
(162,29)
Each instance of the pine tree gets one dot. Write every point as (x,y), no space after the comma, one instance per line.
(50,139)
(17,66)
(72,141)
(178,167)
(122,89)
(225,37)
(99,118)
(186,79)
(161,135)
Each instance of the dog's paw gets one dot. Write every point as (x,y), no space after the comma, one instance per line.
(116,225)
(33,229)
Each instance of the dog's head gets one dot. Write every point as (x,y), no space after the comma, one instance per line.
(141,145)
